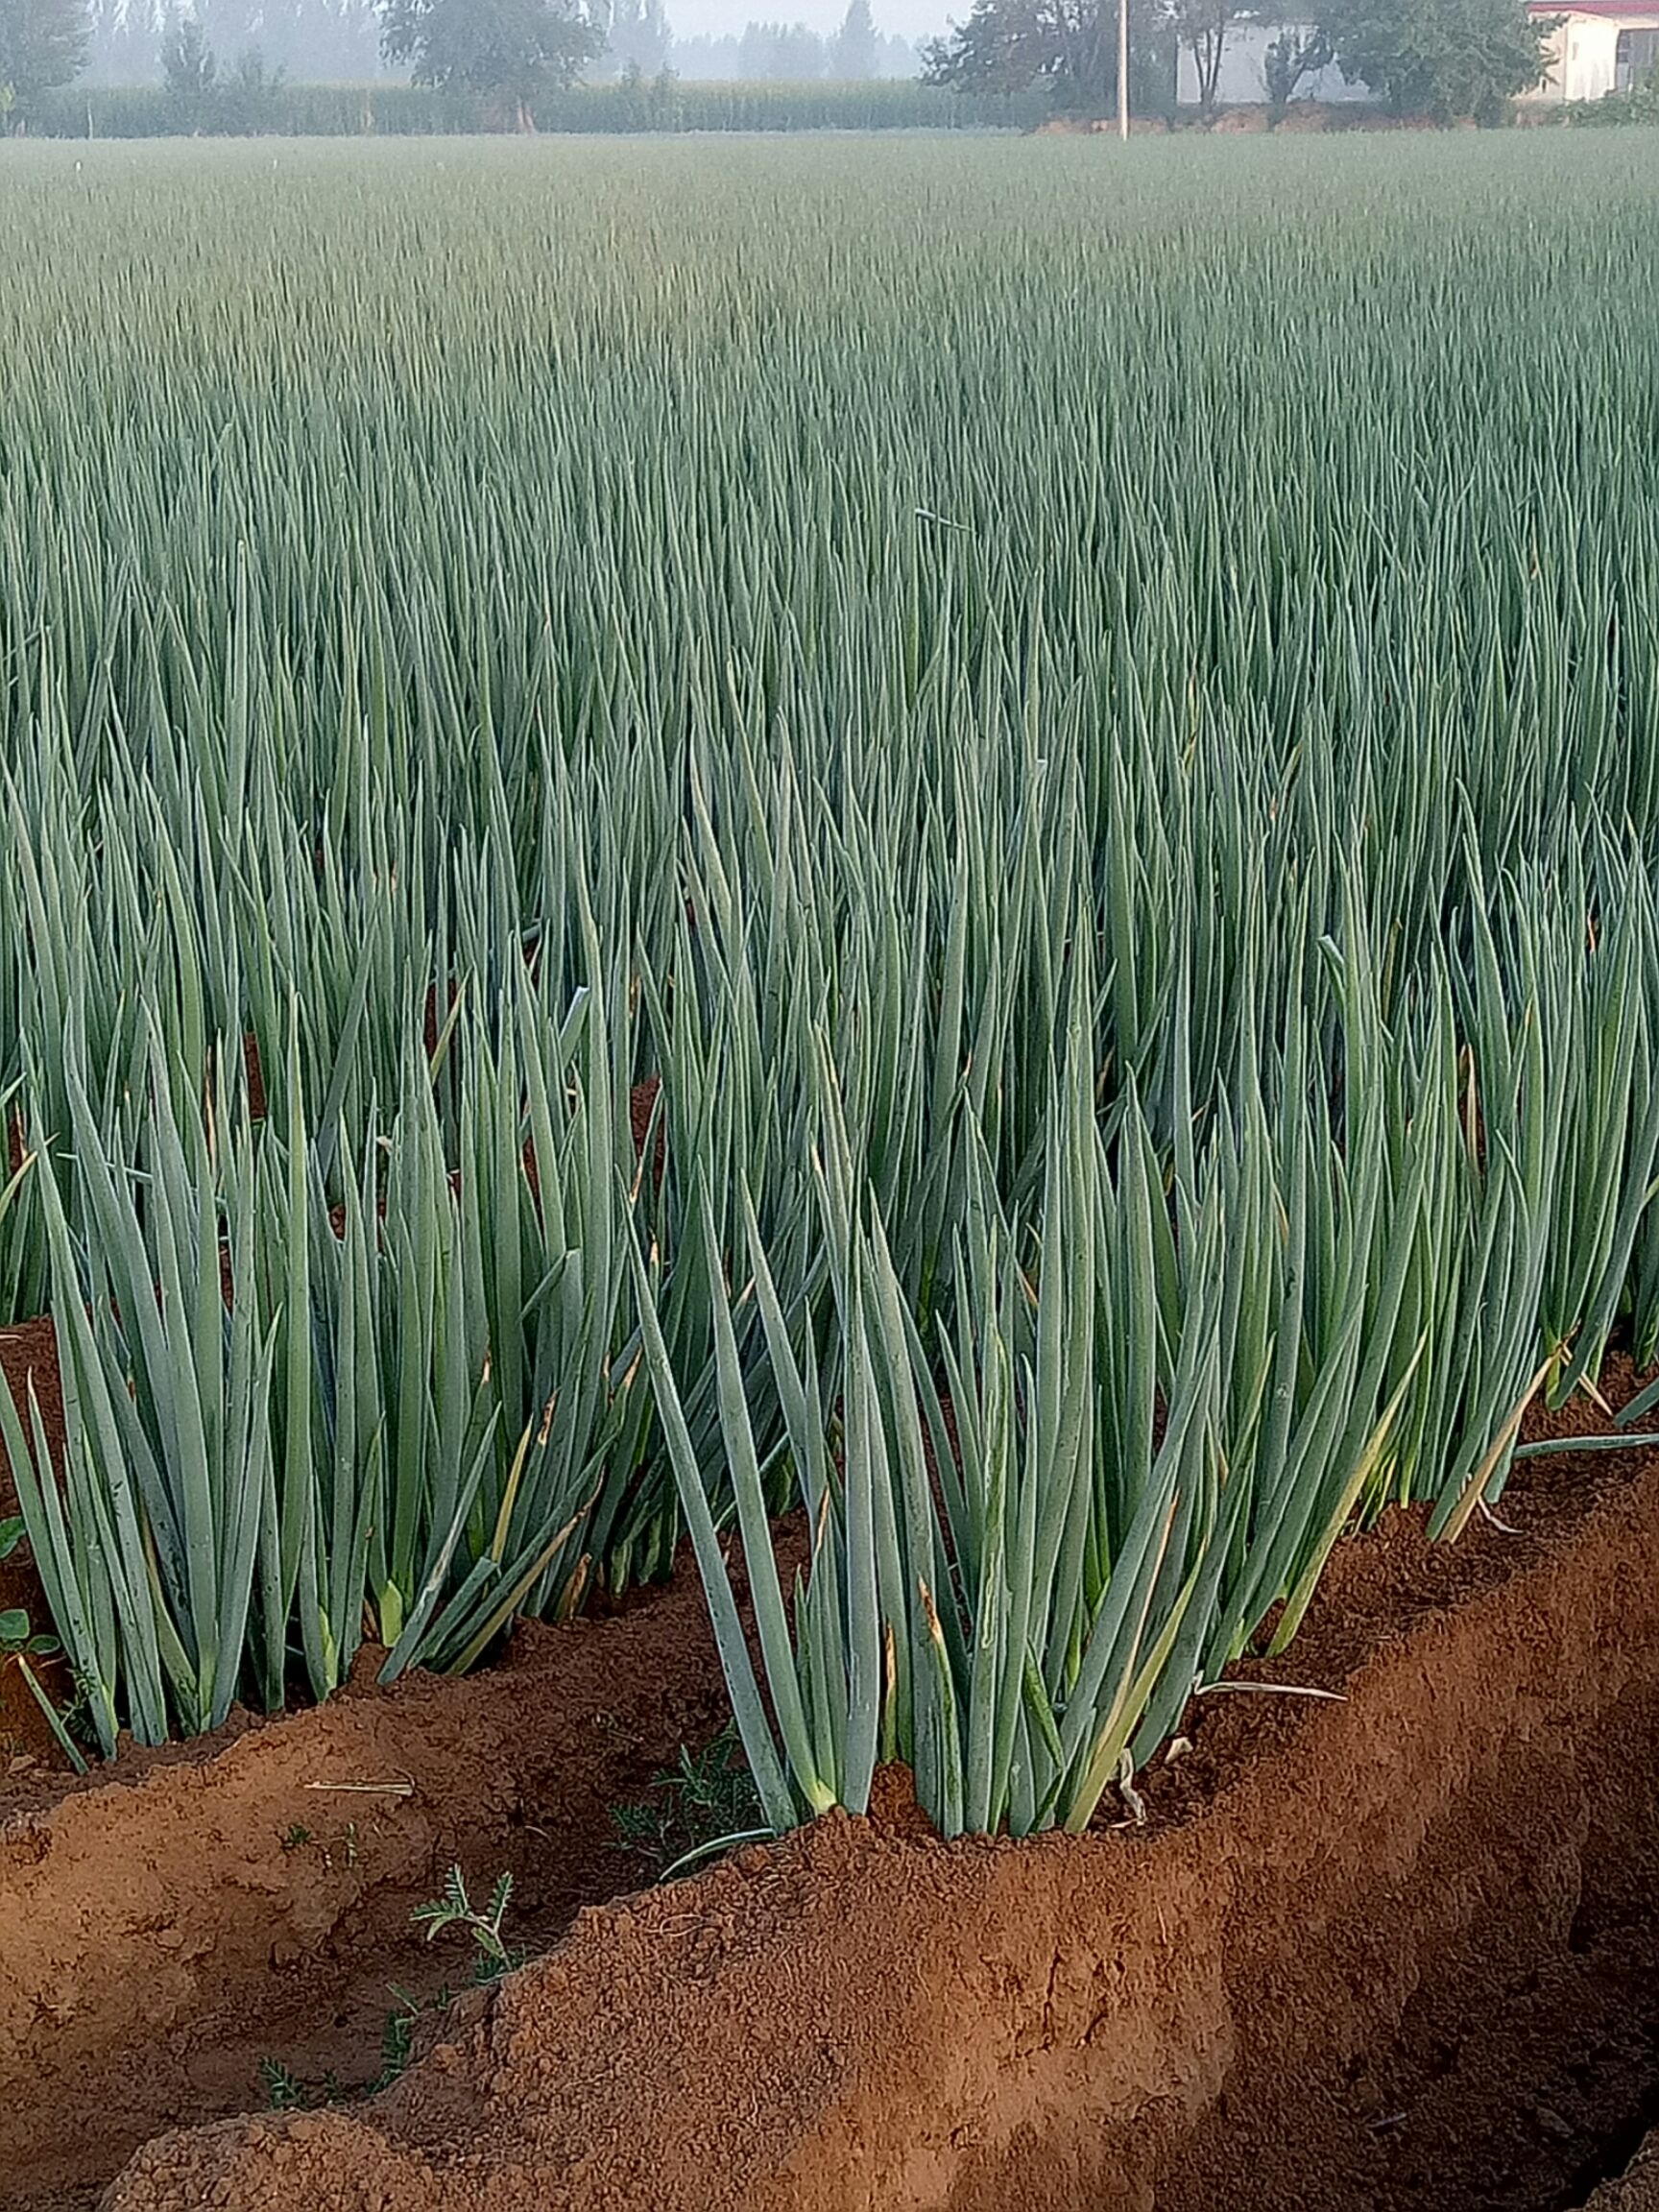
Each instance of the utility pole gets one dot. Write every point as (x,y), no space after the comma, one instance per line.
(1123,70)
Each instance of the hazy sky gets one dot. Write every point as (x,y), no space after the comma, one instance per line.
(904,18)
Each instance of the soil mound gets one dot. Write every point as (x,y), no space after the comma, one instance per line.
(1391,1953)
(175,1921)
(1635,2191)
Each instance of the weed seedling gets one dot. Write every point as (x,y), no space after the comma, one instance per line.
(705,1802)
(15,1637)
(284,2092)
(492,1956)
(455,1910)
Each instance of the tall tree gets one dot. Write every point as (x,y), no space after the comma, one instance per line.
(317,41)
(507,53)
(1451,60)
(42,46)
(1067,48)
(1299,52)
(189,65)
(636,36)
(781,52)
(125,42)
(856,51)
(231,26)
(1202,26)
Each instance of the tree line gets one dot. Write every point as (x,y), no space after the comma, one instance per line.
(1449,60)
(227,50)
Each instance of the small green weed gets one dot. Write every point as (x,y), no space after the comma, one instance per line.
(16,1638)
(18,1641)
(492,1956)
(455,1910)
(706,1800)
(284,2092)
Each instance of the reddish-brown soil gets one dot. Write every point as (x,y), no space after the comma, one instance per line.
(219,1904)
(641,1105)
(159,2030)
(27,1744)
(168,1924)
(1393,1953)
(254,1070)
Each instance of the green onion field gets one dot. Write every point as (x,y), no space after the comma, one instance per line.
(938,848)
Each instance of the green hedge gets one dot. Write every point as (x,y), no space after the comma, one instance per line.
(1639,105)
(400,110)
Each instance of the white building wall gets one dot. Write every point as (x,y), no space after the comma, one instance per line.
(1243,81)
(1583,55)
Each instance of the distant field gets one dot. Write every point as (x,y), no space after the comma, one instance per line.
(407,111)
(1092,720)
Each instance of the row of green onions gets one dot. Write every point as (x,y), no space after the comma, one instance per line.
(823,835)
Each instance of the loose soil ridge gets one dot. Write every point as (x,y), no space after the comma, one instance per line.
(1394,1953)
(1635,2191)
(169,1923)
